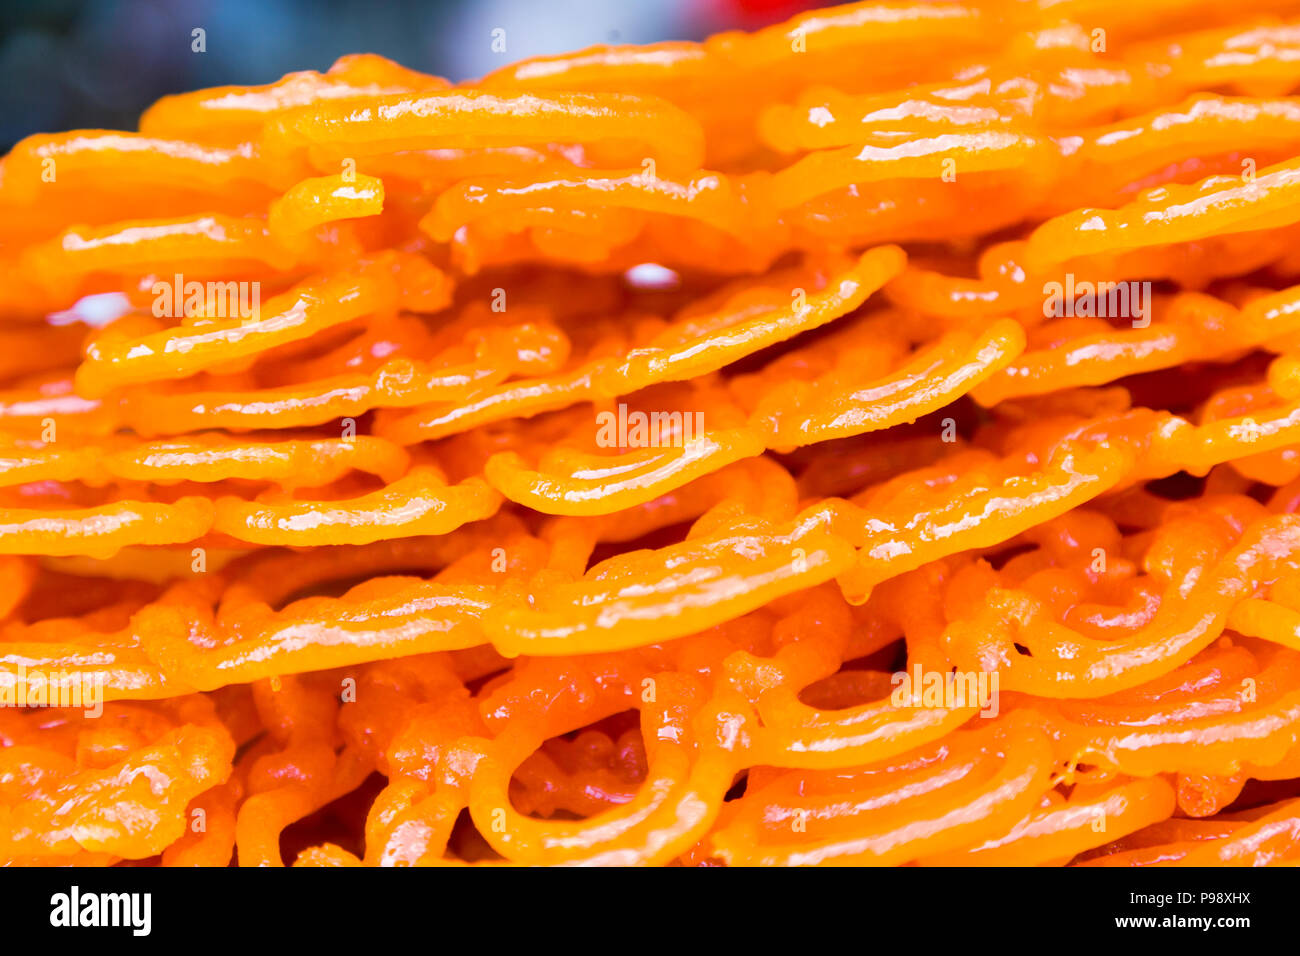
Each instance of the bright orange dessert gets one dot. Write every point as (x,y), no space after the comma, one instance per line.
(874,439)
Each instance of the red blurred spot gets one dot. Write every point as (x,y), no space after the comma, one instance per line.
(734,14)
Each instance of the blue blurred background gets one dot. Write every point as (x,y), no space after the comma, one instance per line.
(68,65)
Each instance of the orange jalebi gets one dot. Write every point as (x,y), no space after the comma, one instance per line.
(874,439)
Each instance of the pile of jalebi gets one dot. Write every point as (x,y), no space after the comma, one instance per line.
(870,440)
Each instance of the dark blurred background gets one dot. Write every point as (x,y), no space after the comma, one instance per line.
(67,64)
